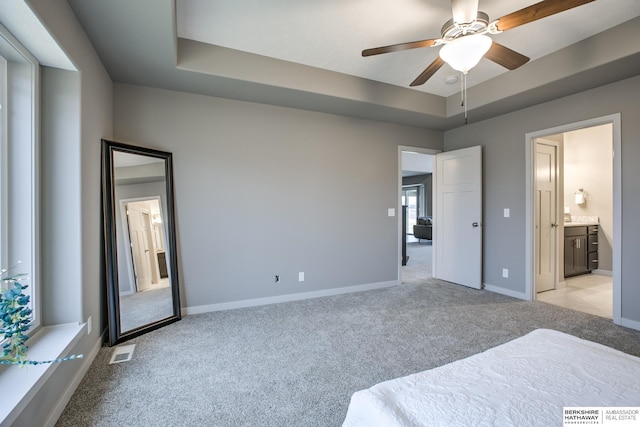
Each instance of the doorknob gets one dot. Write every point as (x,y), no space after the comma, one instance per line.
(554,224)
(475,224)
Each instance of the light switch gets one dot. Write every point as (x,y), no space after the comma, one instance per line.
(507,213)
(391,212)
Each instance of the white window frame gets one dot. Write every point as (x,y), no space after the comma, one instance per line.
(3,162)
(19,186)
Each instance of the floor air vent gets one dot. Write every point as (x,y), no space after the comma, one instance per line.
(122,353)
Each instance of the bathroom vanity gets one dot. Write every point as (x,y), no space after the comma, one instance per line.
(580,248)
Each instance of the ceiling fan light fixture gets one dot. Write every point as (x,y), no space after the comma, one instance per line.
(464,53)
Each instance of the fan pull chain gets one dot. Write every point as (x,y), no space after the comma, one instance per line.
(466,99)
(463,94)
(462,89)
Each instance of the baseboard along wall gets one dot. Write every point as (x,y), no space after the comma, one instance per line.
(285,298)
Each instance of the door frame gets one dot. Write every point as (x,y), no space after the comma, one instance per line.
(419,150)
(530,168)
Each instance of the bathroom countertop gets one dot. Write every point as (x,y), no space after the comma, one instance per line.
(581,220)
(578,224)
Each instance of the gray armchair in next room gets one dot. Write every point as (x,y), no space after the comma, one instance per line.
(423,228)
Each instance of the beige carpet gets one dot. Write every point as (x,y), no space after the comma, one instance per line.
(418,268)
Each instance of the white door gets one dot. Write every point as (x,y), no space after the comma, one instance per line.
(139,247)
(151,251)
(546,217)
(458,217)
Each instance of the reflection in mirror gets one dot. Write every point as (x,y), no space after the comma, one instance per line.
(140,237)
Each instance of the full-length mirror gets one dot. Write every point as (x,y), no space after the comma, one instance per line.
(139,234)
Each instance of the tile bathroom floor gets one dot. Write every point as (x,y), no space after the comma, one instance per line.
(589,293)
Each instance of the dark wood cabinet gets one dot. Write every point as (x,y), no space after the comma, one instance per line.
(575,255)
(580,249)
(162,264)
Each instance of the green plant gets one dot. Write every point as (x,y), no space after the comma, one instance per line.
(15,321)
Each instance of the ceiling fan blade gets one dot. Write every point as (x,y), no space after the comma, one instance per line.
(430,71)
(464,11)
(506,57)
(537,11)
(398,47)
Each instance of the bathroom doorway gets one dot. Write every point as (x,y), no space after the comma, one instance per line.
(587,199)
(585,263)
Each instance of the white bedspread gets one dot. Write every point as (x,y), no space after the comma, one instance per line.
(525,382)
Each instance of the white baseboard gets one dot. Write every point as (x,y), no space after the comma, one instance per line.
(633,324)
(285,298)
(507,292)
(68,393)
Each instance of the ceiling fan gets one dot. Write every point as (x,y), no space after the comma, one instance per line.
(465,41)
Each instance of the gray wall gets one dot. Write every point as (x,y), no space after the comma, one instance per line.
(76,113)
(263,190)
(61,169)
(427,181)
(503,141)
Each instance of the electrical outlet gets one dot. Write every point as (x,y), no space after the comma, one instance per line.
(507,213)
(505,273)
(277,278)
(301,276)
(89,325)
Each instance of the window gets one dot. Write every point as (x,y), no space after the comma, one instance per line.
(412,196)
(3,157)
(18,163)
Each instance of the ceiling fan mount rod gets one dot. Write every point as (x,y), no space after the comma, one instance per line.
(464,11)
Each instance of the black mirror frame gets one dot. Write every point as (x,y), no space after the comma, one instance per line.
(116,335)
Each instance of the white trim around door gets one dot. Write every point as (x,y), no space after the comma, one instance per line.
(530,249)
(401,148)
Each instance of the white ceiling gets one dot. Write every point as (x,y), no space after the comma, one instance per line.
(416,163)
(306,54)
(330,34)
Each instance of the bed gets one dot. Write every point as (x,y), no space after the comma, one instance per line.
(524,382)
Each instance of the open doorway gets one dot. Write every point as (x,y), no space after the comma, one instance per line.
(574,206)
(416,199)
(584,262)
(144,237)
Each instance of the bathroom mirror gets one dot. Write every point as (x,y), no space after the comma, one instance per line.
(140,240)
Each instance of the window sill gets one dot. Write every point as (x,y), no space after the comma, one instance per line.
(21,383)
